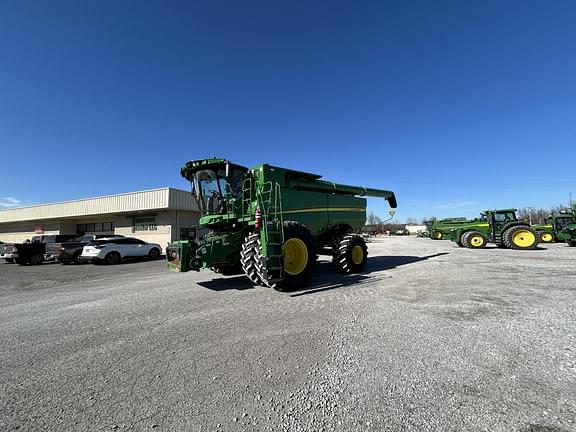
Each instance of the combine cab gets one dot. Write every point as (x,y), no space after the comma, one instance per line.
(501,227)
(270,223)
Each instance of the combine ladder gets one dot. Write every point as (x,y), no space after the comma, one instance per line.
(272,233)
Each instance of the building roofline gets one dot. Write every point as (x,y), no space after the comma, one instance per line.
(90,198)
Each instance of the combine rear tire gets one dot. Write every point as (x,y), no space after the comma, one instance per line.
(351,254)
(250,257)
(546,237)
(520,238)
(475,240)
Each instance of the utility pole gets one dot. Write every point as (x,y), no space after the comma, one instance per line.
(530,210)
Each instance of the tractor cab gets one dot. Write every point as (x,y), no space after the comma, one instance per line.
(501,218)
(562,220)
(217,188)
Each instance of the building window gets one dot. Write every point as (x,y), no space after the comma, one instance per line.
(95,227)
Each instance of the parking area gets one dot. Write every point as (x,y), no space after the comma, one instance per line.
(431,337)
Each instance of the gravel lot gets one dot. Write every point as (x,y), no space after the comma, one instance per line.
(430,338)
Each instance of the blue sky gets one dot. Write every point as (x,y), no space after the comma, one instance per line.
(456,106)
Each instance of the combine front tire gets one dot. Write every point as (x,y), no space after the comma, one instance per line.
(299,258)
(249,257)
(351,254)
(520,237)
(546,237)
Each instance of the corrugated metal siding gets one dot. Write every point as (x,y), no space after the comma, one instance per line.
(134,201)
(182,200)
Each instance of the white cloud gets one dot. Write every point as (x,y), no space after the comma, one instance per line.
(9,202)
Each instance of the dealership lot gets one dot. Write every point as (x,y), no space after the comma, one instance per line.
(431,337)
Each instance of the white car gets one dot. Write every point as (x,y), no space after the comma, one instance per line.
(113,250)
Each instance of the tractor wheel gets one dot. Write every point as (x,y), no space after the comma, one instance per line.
(249,257)
(464,240)
(546,237)
(476,240)
(351,255)
(299,258)
(520,237)
(571,242)
(436,235)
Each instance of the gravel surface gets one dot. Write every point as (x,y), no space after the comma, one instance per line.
(431,338)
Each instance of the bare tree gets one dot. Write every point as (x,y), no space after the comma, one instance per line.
(373,219)
(535,215)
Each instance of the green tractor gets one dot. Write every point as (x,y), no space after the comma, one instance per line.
(440,229)
(501,227)
(552,229)
(570,231)
(270,223)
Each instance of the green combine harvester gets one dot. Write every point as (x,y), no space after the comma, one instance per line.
(270,223)
(501,227)
(552,230)
(440,229)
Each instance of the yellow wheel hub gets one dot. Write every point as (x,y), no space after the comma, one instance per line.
(295,256)
(357,254)
(524,238)
(546,237)
(437,236)
(477,241)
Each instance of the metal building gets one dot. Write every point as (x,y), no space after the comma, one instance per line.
(156,215)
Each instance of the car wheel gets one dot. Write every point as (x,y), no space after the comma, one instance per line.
(112,258)
(36,259)
(75,257)
(154,253)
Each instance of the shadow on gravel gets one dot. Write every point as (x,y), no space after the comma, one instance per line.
(328,279)
(325,277)
(228,283)
(379,263)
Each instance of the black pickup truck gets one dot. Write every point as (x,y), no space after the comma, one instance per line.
(33,252)
(67,252)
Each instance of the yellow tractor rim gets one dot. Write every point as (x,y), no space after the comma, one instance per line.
(437,236)
(295,256)
(546,237)
(524,238)
(357,254)
(476,240)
